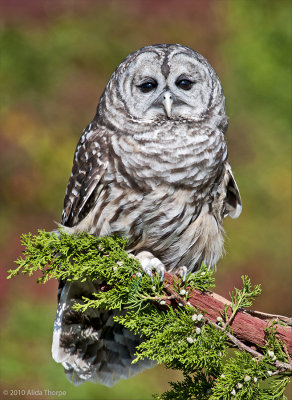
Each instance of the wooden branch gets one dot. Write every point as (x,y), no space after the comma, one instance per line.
(248,327)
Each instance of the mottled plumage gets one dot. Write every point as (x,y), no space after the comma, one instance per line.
(152,166)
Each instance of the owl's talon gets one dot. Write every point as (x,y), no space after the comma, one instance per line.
(149,263)
(182,272)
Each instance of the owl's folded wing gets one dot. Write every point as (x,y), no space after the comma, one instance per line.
(89,165)
(232,203)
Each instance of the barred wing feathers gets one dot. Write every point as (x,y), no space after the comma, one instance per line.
(90,163)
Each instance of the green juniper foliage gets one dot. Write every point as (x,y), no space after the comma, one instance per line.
(179,337)
(242,298)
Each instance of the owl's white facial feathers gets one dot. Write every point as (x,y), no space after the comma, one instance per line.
(165,68)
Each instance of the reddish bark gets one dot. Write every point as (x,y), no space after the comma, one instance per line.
(246,327)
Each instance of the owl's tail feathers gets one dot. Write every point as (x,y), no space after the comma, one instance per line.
(90,345)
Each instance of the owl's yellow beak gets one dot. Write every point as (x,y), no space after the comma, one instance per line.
(167,102)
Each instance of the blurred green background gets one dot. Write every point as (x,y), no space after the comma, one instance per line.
(55,59)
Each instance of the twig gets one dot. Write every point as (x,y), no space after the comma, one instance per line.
(157,298)
(282,367)
(266,316)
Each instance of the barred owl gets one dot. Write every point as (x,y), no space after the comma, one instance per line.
(152,166)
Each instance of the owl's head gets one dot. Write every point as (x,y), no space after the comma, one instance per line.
(163,82)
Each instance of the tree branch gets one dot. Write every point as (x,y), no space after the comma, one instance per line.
(248,327)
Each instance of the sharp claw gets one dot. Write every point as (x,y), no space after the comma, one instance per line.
(158,267)
(182,272)
(147,270)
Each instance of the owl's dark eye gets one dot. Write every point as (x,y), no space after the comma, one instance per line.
(146,87)
(184,84)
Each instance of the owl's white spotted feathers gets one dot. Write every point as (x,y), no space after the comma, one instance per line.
(152,166)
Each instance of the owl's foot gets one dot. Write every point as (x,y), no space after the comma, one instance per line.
(182,273)
(149,263)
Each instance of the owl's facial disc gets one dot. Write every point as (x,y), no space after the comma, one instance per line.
(167,85)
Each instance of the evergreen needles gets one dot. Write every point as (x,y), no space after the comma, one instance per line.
(176,333)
